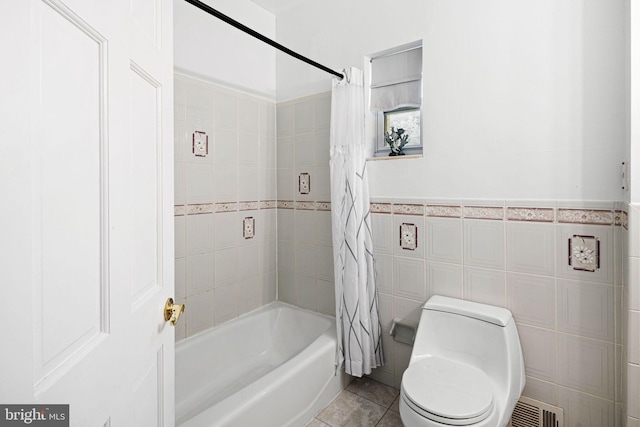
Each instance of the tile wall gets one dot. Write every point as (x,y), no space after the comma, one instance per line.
(570,318)
(225,209)
(305,254)
(516,255)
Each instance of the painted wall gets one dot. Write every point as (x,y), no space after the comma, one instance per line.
(208,47)
(522,100)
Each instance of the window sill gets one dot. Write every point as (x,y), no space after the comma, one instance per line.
(408,156)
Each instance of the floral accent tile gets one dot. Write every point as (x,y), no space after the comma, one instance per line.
(408,236)
(583,216)
(408,209)
(483,212)
(179,210)
(200,144)
(226,207)
(584,253)
(304,183)
(381,208)
(248,227)
(323,206)
(248,206)
(443,211)
(531,214)
(203,208)
(625,220)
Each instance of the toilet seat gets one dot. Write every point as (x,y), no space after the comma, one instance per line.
(447,392)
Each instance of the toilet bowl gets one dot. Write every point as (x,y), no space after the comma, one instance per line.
(466,366)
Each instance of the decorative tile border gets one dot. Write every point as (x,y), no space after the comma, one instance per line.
(198,209)
(442,211)
(408,209)
(226,207)
(483,212)
(381,208)
(248,206)
(530,214)
(615,217)
(584,216)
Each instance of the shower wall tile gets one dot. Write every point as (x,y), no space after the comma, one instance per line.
(543,391)
(284,119)
(484,286)
(326,297)
(220,278)
(383,233)
(586,309)
(324,263)
(409,278)
(581,409)
(539,352)
(385,311)
(384,272)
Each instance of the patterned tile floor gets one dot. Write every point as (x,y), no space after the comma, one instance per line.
(364,403)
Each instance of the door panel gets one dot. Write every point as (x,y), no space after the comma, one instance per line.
(86,169)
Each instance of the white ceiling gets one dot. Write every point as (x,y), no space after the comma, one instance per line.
(276,6)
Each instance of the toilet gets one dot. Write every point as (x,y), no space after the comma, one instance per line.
(466,366)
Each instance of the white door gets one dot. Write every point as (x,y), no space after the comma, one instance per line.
(86,229)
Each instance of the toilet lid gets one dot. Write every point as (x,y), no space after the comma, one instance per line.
(448,391)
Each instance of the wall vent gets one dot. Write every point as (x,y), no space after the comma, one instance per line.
(532,413)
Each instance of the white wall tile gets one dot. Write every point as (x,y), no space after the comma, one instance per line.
(284,119)
(306,292)
(248,183)
(634,230)
(304,226)
(531,248)
(224,147)
(225,183)
(586,309)
(326,297)
(267,118)
(539,352)
(248,261)
(322,109)
(286,288)
(267,184)
(286,257)
(583,410)
(484,243)
(179,235)
(248,114)
(226,262)
(200,313)
(484,286)
(269,262)
(634,283)
(305,261)
(407,309)
(248,149)
(199,234)
(322,145)
(444,240)
(444,279)
(321,183)
(418,222)
(323,231)
(285,184)
(200,273)
(225,303)
(587,365)
(541,390)
(324,263)
(249,294)
(401,356)
(286,225)
(180,183)
(268,152)
(409,278)
(532,299)
(180,279)
(303,151)
(228,230)
(633,390)
(382,228)
(604,233)
(303,113)
(225,109)
(633,346)
(198,102)
(384,272)
(385,311)
(199,184)
(285,153)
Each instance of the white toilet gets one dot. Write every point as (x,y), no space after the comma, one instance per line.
(466,367)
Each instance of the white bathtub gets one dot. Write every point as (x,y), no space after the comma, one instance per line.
(272,367)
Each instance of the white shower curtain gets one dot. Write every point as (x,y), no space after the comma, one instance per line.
(359,332)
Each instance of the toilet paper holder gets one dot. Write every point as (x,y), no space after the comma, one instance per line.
(403,331)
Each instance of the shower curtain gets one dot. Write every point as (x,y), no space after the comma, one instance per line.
(359,331)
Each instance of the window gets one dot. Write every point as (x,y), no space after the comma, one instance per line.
(396,97)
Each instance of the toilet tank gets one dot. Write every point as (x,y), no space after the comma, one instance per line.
(475,334)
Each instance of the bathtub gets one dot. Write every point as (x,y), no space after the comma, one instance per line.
(271,367)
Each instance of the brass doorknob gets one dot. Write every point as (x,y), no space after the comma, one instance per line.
(172,311)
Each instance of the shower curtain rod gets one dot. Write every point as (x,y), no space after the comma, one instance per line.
(238,25)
